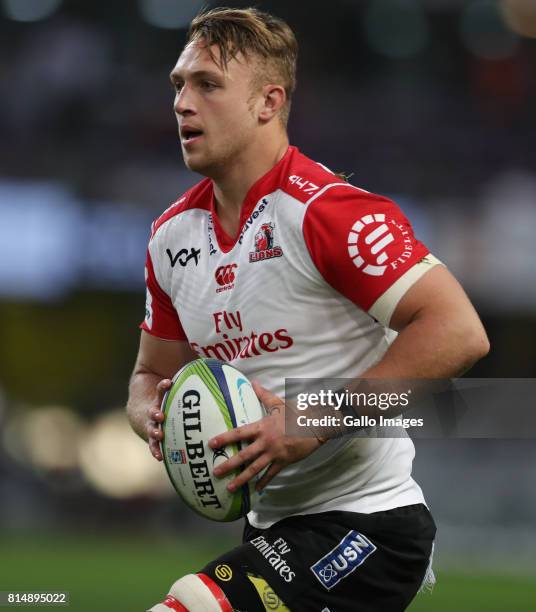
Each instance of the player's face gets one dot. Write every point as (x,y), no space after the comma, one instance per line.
(214,110)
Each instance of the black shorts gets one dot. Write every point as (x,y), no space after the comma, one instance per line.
(329,562)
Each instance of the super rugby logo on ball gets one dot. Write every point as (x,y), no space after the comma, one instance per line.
(207,398)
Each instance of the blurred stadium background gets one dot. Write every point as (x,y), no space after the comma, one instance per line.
(431,102)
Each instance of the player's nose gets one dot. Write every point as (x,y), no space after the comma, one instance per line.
(184,102)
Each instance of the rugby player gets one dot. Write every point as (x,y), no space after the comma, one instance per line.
(274,263)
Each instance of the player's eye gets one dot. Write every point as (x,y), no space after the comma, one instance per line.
(177,87)
(208,85)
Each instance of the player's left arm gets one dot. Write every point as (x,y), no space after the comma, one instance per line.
(440,333)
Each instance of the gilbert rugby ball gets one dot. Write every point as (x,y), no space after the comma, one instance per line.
(208,397)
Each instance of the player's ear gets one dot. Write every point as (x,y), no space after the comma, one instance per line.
(274,98)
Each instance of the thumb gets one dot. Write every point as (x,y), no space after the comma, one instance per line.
(162,388)
(267,398)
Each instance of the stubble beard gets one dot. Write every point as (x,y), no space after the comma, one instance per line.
(215,164)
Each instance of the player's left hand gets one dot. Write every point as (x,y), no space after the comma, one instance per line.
(269,446)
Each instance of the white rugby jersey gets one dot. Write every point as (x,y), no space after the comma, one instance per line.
(305,290)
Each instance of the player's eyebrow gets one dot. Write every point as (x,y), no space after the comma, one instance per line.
(196,74)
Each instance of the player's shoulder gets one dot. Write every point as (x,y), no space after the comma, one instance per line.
(309,181)
(197,197)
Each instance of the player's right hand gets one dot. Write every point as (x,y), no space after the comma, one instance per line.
(156,417)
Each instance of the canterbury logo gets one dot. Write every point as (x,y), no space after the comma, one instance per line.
(225,274)
(376,241)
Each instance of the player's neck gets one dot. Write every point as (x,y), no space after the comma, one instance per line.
(231,188)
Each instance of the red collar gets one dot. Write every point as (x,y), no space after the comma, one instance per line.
(268,183)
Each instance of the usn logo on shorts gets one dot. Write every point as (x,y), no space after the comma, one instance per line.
(342,560)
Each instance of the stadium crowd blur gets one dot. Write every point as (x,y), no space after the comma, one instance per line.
(431,102)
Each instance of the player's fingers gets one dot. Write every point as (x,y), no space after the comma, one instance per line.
(234,435)
(274,469)
(244,456)
(154,447)
(154,433)
(248,473)
(156,415)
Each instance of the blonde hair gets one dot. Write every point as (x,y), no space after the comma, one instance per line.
(256,35)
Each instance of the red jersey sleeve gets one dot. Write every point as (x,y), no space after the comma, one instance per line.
(161,318)
(361,243)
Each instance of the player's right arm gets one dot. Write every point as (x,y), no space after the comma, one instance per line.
(163,350)
(157,362)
